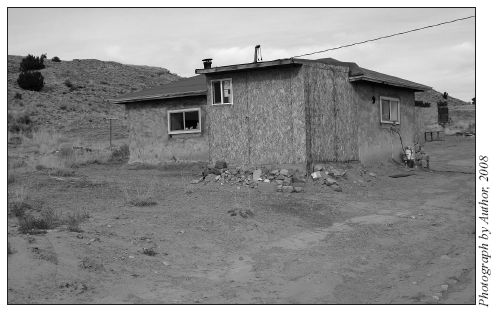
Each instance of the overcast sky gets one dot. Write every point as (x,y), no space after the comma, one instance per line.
(178,39)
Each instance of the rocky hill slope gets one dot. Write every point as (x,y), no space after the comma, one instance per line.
(75,95)
(433,96)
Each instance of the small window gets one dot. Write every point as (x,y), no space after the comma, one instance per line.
(389,110)
(184,121)
(222,91)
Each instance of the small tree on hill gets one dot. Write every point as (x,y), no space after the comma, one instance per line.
(445,95)
(473,100)
(32,63)
(56,59)
(30,80)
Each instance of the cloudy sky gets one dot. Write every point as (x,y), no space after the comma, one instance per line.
(178,39)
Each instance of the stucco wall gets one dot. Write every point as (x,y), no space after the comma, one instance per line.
(149,140)
(376,142)
(265,124)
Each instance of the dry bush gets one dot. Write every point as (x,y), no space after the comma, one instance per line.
(19,203)
(149,251)
(139,197)
(74,220)
(47,220)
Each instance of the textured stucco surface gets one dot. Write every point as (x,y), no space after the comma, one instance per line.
(376,142)
(149,140)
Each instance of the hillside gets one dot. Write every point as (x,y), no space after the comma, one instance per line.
(433,96)
(81,110)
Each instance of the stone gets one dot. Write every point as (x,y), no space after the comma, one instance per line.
(217,178)
(266,180)
(445,257)
(287,189)
(220,164)
(256,175)
(337,188)
(268,187)
(214,171)
(280,177)
(291,173)
(279,181)
(298,189)
(287,181)
(298,178)
(275,172)
(318,167)
(372,174)
(330,181)
(316,175)
(444,287)
(195,181)
(284,172)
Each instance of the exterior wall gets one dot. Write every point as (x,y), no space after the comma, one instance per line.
(331,114)
(376,142)
(149,140)
(426,120)
(265,125)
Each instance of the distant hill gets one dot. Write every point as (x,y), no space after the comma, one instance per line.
(433,96)
(84,105)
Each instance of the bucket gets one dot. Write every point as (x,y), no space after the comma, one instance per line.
(408,154)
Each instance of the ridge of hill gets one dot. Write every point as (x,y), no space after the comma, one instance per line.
(432,96)
(76,93)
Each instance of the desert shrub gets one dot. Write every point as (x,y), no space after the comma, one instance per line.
(56,59)
(47,220)
(445,95)
(120,155)
(422,104)
(30,80)
(149,251)
(139,197)
(473,101)
(18,96)
(74,220)
(68,83)
(19,203)
(442,103)
(32,63)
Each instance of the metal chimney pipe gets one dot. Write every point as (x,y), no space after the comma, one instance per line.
(258,47)
(207,63)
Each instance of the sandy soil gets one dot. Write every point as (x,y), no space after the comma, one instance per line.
(407,240)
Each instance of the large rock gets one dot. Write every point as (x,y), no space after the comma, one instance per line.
(284,172)
(287,189)
(316,175)
(287,181)
(298,178)
(256,175)
(298,189)
(337,188)
(220,164)
(318,167)
(330,181)
(268,187)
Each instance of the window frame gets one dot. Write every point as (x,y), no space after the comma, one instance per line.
(390,99)
(175,132)
(221,87)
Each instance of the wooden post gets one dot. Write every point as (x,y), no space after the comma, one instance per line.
(110,131)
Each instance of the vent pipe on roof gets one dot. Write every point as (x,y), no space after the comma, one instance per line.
(257,54)
(207,63)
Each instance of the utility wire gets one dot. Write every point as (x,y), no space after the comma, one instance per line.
(371,40)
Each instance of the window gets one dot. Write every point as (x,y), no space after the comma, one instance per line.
(389,110)
(184,121)
(221,91)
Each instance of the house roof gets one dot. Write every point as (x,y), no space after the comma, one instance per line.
(192,86)
(196,85)
(356,73)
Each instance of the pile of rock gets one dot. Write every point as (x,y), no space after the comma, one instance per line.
(420,158)
(327,175)
(267,180)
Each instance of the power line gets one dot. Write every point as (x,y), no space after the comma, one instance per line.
(371,40)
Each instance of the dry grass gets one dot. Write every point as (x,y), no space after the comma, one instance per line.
(19,202)
(47,220)
(139,196)
(74,220)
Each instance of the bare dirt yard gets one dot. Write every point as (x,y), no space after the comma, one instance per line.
(382,240)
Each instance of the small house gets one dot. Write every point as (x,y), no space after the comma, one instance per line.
(287,113)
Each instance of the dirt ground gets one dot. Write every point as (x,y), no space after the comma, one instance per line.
(383,240)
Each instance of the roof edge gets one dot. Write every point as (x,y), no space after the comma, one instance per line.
(158,97)
(247,66)
(415,87)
